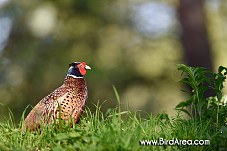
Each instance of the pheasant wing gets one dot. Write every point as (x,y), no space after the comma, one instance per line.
(45,109)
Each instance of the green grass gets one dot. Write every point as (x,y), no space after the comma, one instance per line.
(118,129)
(99,131)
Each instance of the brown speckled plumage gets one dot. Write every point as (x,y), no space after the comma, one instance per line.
(67,101)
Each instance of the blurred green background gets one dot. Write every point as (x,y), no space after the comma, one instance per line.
(133,45)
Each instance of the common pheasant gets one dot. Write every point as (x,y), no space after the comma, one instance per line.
(66,102)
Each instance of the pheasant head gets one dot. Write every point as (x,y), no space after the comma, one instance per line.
(77,69)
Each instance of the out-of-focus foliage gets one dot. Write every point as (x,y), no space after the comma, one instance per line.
(130,44)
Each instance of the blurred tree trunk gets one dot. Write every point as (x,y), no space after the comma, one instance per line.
(194,35)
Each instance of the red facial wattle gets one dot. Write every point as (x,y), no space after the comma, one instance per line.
(81,67)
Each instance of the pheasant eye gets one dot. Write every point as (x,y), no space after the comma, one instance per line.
(80,66)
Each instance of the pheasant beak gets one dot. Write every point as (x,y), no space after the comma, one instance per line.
(87,67)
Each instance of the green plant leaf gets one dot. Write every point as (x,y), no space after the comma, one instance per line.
(61,136)
(184,104)
(185,111)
